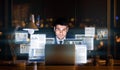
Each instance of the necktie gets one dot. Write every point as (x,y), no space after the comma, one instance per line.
(60,42)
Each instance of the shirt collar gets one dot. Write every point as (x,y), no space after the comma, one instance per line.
(58,40)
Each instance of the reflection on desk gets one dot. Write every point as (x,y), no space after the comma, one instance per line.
(60,68)
(40,66)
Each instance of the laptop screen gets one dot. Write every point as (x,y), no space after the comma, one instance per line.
(59,54)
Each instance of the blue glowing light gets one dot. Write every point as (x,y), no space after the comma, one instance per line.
(117,17)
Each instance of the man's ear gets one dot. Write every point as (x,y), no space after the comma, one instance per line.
(67,29)
(54,28)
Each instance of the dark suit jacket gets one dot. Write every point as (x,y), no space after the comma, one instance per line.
(67,37)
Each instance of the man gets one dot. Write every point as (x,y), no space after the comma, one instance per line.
(60,28)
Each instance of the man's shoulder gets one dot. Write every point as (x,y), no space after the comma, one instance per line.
(70,36)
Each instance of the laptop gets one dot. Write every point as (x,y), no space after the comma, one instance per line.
(56,54)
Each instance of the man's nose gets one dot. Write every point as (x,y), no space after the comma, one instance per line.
(61,31)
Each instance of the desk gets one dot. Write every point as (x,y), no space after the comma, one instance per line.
(23,66)
(60,68)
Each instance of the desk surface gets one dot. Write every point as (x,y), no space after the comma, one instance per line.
(36,66)
(60,67)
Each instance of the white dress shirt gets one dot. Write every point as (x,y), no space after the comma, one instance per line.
(58,40)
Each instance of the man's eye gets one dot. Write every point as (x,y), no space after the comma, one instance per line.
(57,29)
(64,30)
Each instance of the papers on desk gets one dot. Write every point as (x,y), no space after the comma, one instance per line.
(81,54)
(24,48)
(37,45)
(89,42)
(38,41)
(90,31)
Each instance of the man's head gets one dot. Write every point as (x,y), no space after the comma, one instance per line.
(61,28)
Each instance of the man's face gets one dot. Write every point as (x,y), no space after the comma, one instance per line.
(61,31)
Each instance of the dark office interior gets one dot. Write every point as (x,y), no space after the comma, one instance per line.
(100,14)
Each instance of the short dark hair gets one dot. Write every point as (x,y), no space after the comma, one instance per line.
(61,21)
